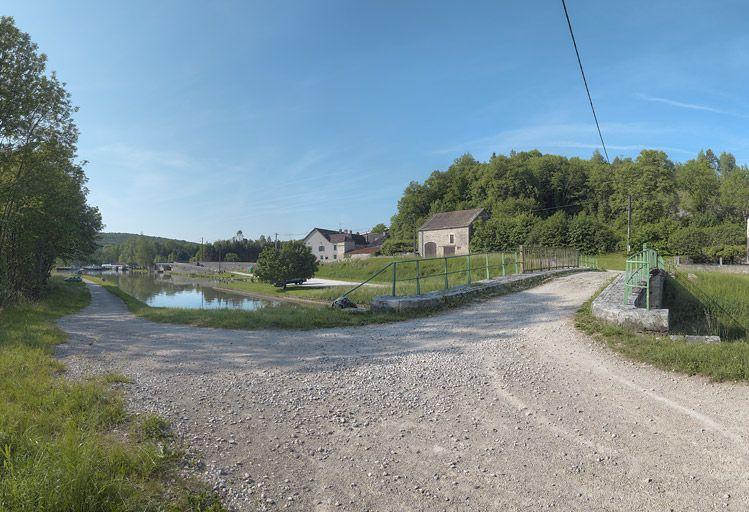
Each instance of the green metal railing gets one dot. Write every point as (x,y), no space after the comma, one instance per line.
(418,276)
(637,272)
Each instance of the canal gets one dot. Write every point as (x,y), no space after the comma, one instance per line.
(176,291)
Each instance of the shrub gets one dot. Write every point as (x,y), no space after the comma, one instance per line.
(293,261)
(589,235)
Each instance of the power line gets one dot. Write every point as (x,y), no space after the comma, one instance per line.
(585,81)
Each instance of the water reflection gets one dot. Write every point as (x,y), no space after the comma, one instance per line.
(167,291)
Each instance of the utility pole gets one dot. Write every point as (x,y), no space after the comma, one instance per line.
(629,223)
(276,241)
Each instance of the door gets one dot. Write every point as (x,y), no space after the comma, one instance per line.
(448,250)
(430,250)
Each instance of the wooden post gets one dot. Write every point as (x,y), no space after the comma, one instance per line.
(487,265)
(503,264)
(522,261)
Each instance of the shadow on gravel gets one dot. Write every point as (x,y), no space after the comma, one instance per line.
(106,328)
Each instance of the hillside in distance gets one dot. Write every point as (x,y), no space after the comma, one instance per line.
(105,239)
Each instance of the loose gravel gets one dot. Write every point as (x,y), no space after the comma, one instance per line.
(500,405)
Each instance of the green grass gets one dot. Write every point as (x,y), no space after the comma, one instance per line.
(709,303)
(280,317)
(61,442)
(720,362)
(360,270)
(612,261)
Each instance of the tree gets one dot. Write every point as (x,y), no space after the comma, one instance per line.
(231,256)
(293,261)
(43,209)
(379,228)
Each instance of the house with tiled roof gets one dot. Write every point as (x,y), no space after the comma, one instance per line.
(448,233)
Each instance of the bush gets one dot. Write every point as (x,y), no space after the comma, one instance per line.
(392,246)
(550,232)
(231,256)
(590,236)
(690,241)
(502,232)
(293,261)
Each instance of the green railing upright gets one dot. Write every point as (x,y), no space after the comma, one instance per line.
(637,272)
(464,269)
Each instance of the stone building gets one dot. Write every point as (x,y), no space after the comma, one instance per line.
(448,233)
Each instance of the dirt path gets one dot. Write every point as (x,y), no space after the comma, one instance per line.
(502,405)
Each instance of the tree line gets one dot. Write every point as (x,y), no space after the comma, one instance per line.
(696,208)
(44,214)
(145,250)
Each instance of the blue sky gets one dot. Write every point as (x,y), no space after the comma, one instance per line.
(202,118)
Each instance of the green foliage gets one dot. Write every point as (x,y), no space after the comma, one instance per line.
(43,209)
(231,256)
(379,228)
(589,235)
(293,261)
(59,445)
(534,198)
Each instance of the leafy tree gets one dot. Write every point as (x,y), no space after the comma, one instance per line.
(699,185)
(379,228)
(550,232)
(231,256)
(293,261)
(43,210)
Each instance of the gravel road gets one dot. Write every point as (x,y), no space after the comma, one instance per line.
(500,405)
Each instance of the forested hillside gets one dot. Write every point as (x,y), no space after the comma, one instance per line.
(696,208)
(145,250)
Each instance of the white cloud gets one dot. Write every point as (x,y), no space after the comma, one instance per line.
(691,106)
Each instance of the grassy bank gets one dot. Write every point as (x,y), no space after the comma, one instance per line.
(719,362)
(281,317)
(62,443)
(709,303)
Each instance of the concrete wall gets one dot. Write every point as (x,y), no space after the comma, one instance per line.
(460,294)
(609,306)
(441,237)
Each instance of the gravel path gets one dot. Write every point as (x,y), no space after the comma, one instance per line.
(501,405)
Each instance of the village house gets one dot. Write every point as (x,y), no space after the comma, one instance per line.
(448,233)
(331,245)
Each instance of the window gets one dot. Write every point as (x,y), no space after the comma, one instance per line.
(335,256)
(321,248)
(452,238)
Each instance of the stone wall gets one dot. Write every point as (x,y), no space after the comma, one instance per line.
(441,238)
(459,294)
(610,307)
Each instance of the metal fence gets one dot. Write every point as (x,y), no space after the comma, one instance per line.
(417,276)
(637,272)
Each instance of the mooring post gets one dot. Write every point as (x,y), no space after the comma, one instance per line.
(503,264)
(522,261)
(487,265)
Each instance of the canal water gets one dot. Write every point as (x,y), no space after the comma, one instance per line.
(167,291)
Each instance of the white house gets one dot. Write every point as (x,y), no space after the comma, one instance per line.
(329,244)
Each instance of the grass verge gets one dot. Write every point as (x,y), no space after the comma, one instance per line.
(719,362)
(279,317)
(61,442)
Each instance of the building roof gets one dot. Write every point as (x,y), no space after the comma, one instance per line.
(336,236)
(456,219)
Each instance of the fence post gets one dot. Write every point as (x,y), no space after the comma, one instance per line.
(468,257)
(447,281)
(394,265)
(503,264)
(516,262)
(418,278)
(487,265)
(522,261)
